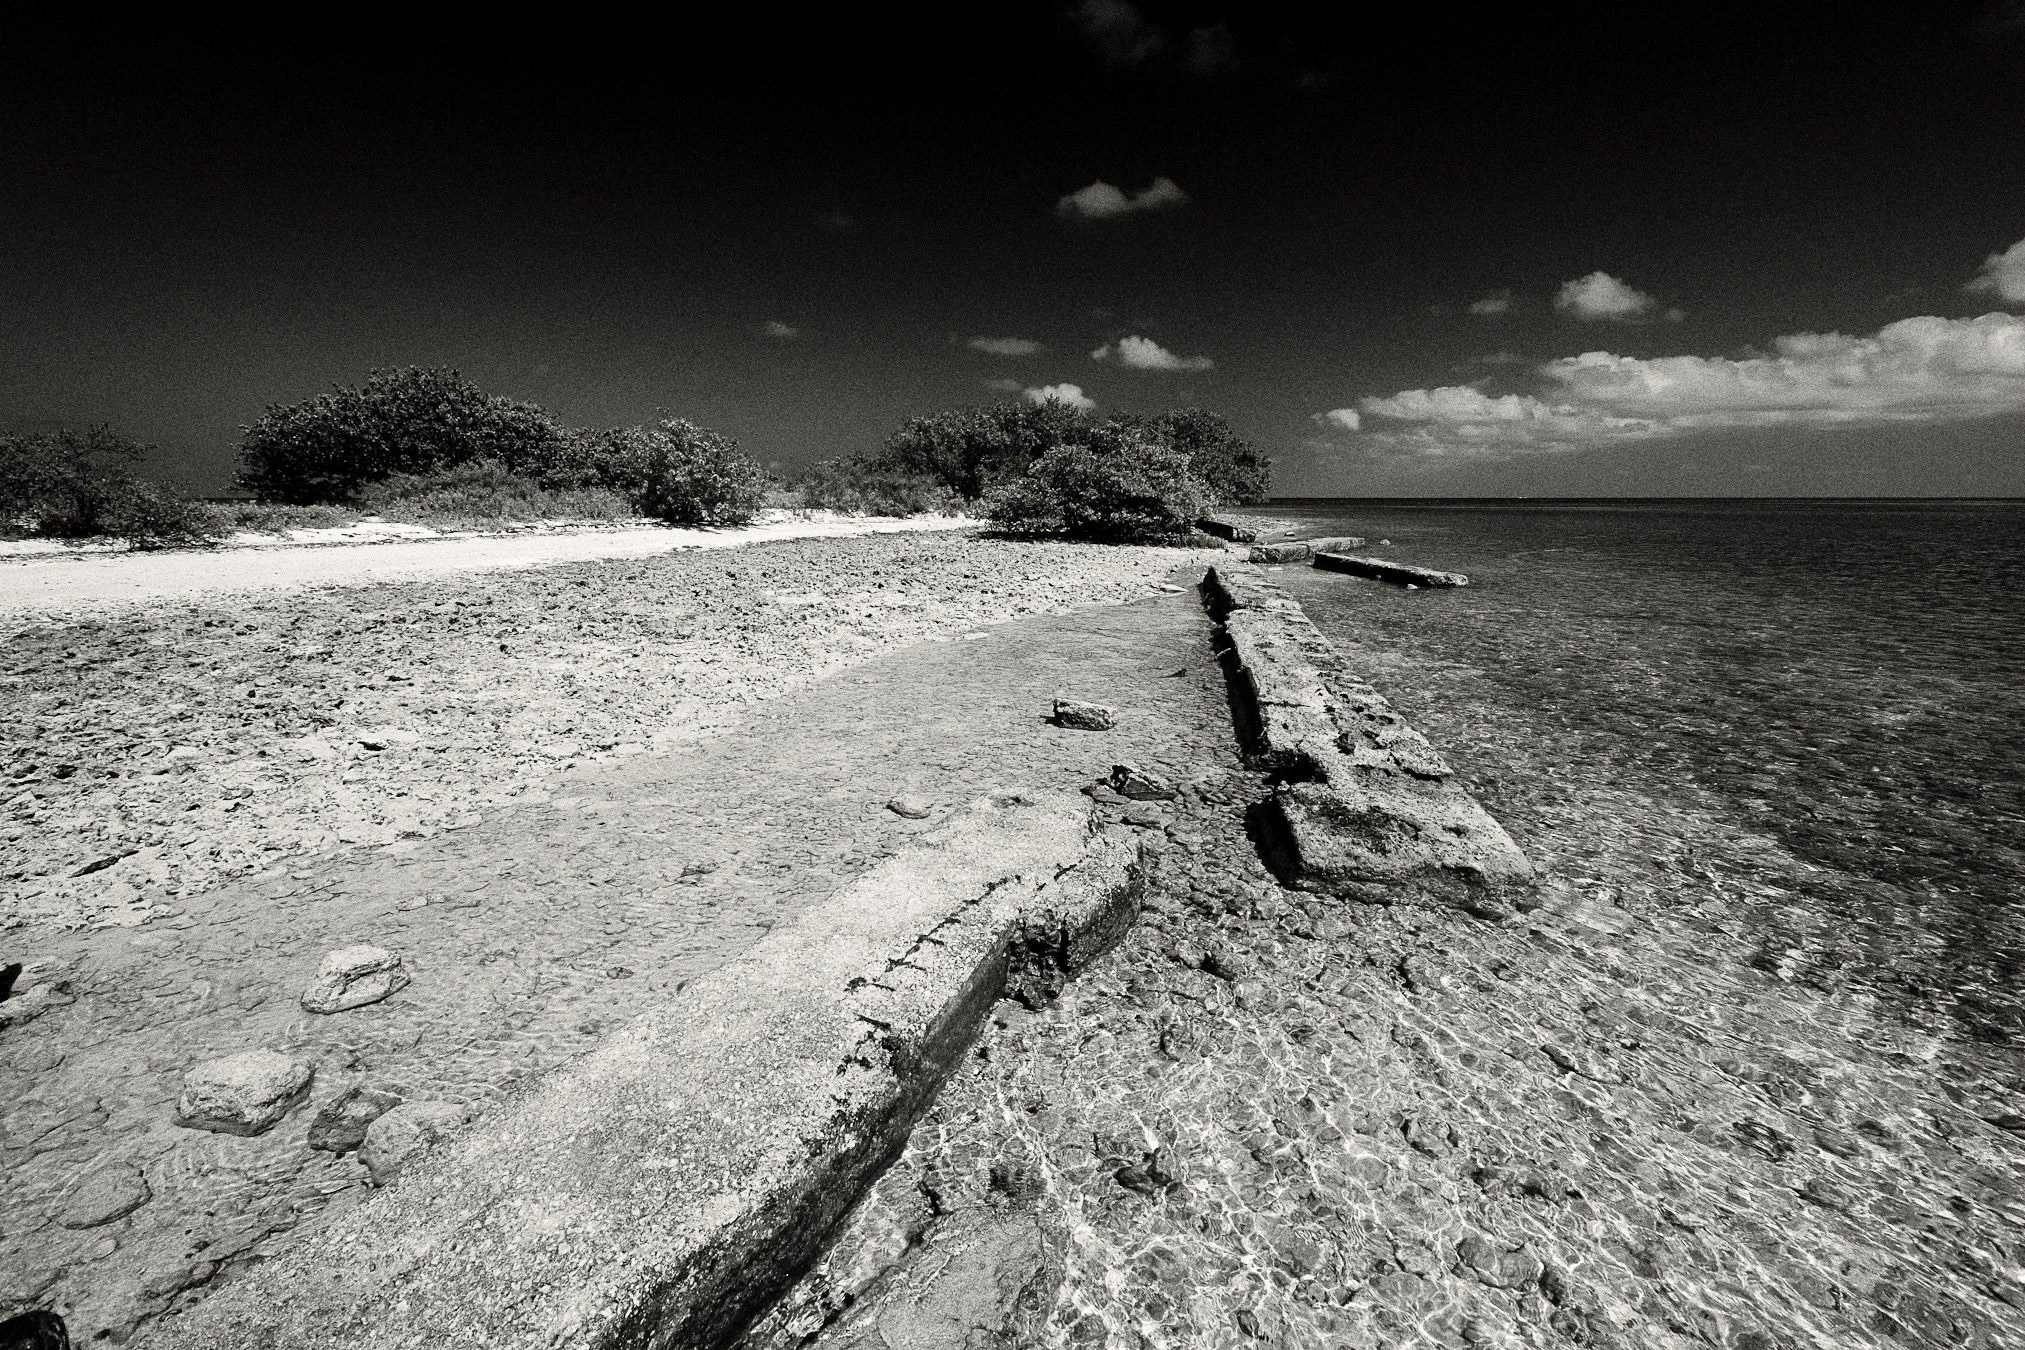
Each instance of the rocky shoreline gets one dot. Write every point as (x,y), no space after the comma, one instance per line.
(153,755)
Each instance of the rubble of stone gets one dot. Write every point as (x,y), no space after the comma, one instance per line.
(667,1186)
(1369,810)
(1300,550)
(1379,569)
(147,757)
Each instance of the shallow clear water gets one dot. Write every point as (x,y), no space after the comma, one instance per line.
(1846,678)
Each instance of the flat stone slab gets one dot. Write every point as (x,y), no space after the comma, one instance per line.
(1402,573)
(662,1188)
(1238,532)
(1300,550)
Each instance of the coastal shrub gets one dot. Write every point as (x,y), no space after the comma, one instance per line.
(1125,486)
(693,476)
(969,450)
(860,488)
(1230,466)
(410,421)
(83,484)
(484,492)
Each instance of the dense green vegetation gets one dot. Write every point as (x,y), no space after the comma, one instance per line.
(1045,468)
(431,447)
(78,484)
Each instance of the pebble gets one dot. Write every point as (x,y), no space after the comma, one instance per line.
(1129,780)
(246,1093)
(914,808)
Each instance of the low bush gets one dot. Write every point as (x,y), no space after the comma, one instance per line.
(693,476)
(485,493)
(861,489)
(1119,488)
(272,517)
(83,484)
(400,422)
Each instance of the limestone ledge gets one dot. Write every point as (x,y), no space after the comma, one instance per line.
(1369,811)
(663,1188)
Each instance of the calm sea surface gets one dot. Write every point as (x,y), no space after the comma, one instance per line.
(1833,692)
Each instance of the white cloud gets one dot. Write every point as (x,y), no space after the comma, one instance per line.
(1101,201)
(1600,297)
(1138,353)
(2003,275)
(1916,370)
(776,329)
(1499,303)
(1005,346)
(1346,418)
(1070,394)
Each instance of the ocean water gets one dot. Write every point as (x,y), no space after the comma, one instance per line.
(1843,680)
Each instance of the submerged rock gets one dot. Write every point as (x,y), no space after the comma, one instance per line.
(341,1125)
(110,1192)
(246,1093)
(352,977)
(405,1133)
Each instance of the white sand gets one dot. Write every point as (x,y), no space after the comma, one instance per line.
(43,581)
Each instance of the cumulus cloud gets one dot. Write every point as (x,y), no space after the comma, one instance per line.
(1346,418)
(1138,353)
(1602,298)
(776,329)
(1102,201)
(1916,370)
(2003,275)
(1070,394)
(1499,303)
(1005,346)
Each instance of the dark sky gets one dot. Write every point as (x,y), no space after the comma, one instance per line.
(608,220)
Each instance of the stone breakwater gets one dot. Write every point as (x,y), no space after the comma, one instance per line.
(1370,810)
(150,756)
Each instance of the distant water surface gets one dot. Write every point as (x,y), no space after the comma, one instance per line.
(1847,678)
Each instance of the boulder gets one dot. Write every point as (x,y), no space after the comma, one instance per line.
(106,1193)
(352,977)
(244,1093)
(341,1126)
(1387,846)
(403,1134)
(1084,716)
